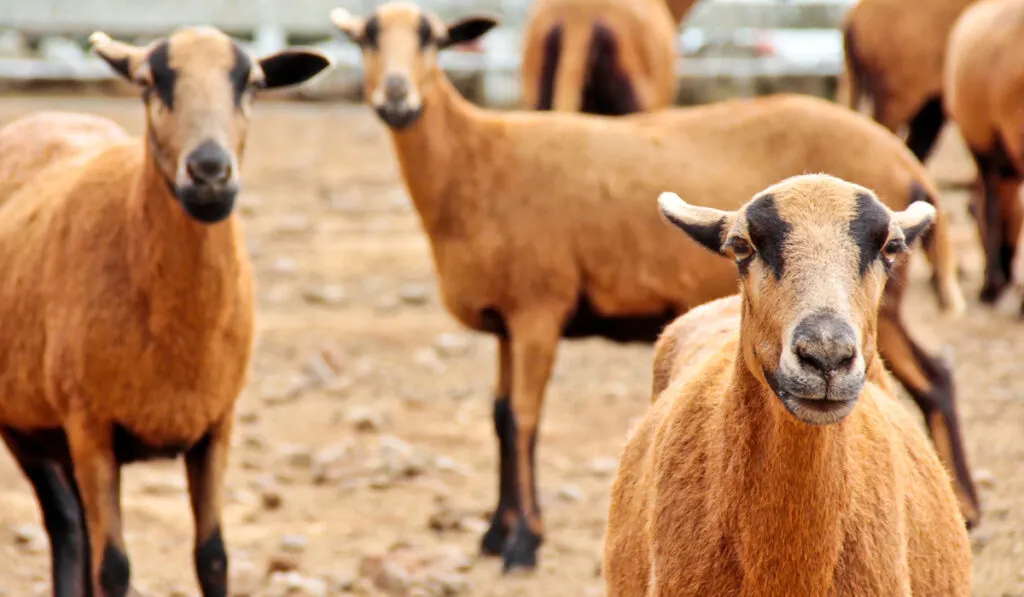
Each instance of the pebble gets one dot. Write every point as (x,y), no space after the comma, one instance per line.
(387,304)
(172,484)
(366,419)
(330,295)
(297,456)
(283,562)
(30,537)
(452,344)
(295,544)
(413,294)
(570,493)
(430,359)
(603,467)
(284,265)
(248,416)
(293,223)
(270,493)
(284,389)
(244,578)
(254,440)
(293,584)
(984,478)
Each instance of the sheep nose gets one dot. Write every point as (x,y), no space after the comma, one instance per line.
(825,343)
(396,88)
(209,164)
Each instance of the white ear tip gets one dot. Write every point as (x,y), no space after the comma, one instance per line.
(669,201)
(923,208)
(98,37)
(339,15)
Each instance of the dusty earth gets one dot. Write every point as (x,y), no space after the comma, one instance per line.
(367,423)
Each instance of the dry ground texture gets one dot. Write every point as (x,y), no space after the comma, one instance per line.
(367,423)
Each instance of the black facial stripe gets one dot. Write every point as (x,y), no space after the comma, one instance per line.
(425,32)
(239,74)
(370,32)
(869,229)
(768,231)
(164,77)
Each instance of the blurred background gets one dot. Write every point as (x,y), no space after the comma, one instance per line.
(364,458)
(726,47)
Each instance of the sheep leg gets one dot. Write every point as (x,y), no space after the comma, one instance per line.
(925,127)
(62,516)
(534,342)
(930,384)
(506,514)
(99,484)
(990,226)
(205,464)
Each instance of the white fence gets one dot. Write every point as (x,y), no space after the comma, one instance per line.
(44,40)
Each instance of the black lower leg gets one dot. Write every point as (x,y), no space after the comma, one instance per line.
(494,539)
(521,548)
(62,517)
(925,127)
(938,404)
(115,572)
(212,566)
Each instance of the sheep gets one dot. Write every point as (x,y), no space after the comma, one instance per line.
(538,229)
(128,296)
(984,88)
(894,53)
(608,57)
(775,459)
(680,8)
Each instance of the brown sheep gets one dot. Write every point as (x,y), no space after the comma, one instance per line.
(127,299)
(608,57)
(894,53)
(539,228)
(776,460)
(680,8)
(984,89)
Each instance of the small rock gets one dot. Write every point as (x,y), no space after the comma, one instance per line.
(366,419)
(284,265)
(295,544)
(570,493)
(603,467)
(248,416)
(169,485)
(282,562)
(448,583)
(387,304)
(254,440)
(980,538)
(430,359)
(297,456)
(285,389)
(293,584)
(30,537)
(341,581)
(413,294)
(984,478)
(294,223)
(325,294)
(244,578)
(452,345)
(339,386)
(392,578)
(270,493)
(448,465)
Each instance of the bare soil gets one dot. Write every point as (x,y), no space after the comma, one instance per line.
(368,417)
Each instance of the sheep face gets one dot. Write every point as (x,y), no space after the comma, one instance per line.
(399,43)
(197,86)
(813,254)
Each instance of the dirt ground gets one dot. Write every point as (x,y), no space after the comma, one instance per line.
(367,422)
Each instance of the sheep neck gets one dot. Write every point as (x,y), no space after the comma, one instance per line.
(183,269)
(434,150)
(791,482)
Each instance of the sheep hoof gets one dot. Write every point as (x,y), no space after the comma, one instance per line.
(520,553)
(493,542)
(990,293)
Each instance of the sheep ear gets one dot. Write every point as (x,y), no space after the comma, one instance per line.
(704,225)
(292,66)
(915,220)
(127,60)
(467,29)
(349,24)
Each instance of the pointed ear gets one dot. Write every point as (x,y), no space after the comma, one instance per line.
(704,225)
(292,66)
(467,29)
(127,60)
(915,220)
(349,24)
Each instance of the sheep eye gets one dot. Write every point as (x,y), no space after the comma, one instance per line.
(893,249)
(741,249)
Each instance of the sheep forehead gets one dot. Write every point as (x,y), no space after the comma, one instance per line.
(198,49)
(814,219)
(401,14)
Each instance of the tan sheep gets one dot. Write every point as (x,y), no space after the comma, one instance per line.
(776,460)
(539,227)
(894,52)
(599,56)
(127,301)
(984,90)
